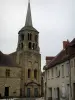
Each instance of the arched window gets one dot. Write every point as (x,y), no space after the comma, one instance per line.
(30,45)
(30,36)
(22,37)
(29,73)
(36,46)
(35,74)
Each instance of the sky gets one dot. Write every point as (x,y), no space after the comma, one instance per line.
(54,19)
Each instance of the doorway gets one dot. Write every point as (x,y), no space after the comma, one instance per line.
(35,92)
(28,92)
(6,91)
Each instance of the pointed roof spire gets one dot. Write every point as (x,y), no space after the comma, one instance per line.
(28,17)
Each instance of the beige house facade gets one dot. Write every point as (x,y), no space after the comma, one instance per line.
(60,75)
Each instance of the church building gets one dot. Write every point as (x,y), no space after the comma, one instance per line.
(28,57)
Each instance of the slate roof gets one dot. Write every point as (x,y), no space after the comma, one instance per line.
(29,28)
(7,60)
(13,53)
(72,42)
(63,55)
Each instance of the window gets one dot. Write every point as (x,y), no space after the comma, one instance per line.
(62,70)
(35,92)
(68,91)
(50,92)
(29,73)
(28,92)
(67,69)
(29,45)
(22,37)
(52,72)
(48,73)
(29,36)
(56,71)
(7,72)
(35,74)
(33,46)
(58,93)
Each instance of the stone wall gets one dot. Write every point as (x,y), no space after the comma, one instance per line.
(13,81)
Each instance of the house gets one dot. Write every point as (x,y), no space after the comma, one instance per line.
(10,76)
(60,74)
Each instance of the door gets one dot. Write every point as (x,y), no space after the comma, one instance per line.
(58,96)
(50,94)
(28,92)
(35,92)
(6,91)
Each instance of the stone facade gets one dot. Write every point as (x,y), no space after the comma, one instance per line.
(12,81)
(27,56)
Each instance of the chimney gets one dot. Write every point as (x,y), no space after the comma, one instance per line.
(65,44)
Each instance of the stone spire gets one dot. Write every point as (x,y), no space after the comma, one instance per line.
(28,16)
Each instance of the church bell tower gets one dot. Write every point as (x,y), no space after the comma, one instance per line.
(29,58)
